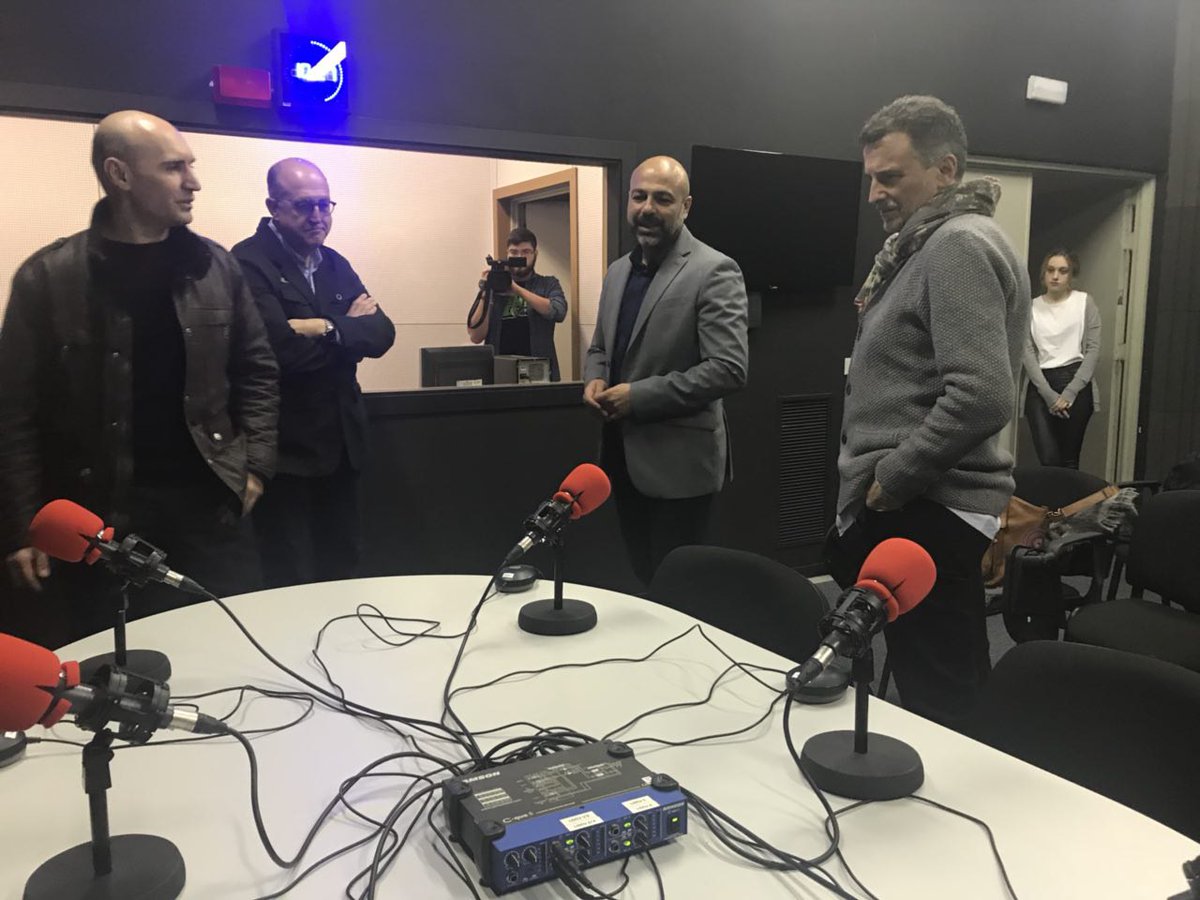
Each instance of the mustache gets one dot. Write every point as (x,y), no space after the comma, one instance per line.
(649,220)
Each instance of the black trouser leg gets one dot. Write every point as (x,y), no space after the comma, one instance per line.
(938,651)
(1071,430)
(281,525)
(205,537)
(651,527)
(1041,429)
(1058,440)
(308,528)
(335,525)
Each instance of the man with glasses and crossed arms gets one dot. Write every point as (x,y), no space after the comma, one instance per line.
(321,322)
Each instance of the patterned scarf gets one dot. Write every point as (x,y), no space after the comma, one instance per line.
(979,196)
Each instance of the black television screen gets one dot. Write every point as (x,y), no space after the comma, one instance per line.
(791,222)
(468,365)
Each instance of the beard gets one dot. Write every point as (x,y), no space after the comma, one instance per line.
(655,233)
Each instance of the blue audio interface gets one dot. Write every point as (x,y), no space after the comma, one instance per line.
(580,807)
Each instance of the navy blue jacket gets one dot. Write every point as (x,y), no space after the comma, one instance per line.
(321,411)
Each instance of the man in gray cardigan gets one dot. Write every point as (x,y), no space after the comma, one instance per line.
(942,321)
(670,342)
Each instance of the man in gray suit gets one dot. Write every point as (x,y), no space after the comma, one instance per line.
(670,342)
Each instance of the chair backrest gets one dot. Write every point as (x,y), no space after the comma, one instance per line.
(1164,552)
(1124,725)
(1054,487)
(756,598)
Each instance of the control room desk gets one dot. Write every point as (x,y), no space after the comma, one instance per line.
(1057,839)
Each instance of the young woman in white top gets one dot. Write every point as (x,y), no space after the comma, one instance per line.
(1060,361)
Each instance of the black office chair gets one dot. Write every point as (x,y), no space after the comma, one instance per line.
(1164,557)
(1034,600)
(756,598)
(1123,725)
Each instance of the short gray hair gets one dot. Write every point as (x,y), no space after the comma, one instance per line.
(932,125)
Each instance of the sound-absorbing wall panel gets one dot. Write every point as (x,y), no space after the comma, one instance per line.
(804,469)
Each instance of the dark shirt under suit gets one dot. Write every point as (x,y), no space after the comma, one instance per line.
(307,521)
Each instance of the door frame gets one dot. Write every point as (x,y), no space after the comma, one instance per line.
(1121,458)
(507,198)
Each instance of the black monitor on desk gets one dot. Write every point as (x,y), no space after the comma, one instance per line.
(468,365)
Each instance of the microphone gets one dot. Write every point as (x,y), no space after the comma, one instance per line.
(67,531)
(584,489)
(895,577)
(37,689)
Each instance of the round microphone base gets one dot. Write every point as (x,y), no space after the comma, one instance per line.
(540,617)
(144,867)
(147,663)
(888,770)
(12,747)
(514,579)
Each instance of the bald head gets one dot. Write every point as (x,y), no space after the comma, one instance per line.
(125,134)
(146,169)
(289,176)
(298,200)
(668,169)
(659,201)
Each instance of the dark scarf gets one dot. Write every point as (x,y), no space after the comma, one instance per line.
(979,196)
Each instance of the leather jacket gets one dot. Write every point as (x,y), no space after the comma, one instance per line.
(66,397)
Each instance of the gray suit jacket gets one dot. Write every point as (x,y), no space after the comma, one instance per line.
(688,349)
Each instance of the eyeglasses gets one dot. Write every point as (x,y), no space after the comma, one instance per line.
(305,207)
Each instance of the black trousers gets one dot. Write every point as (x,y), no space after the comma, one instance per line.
(308,528)
(198,526)
(1058,441)
(650,526)
(938,651)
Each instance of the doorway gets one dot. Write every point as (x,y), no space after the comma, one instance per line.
(1103,216)
(549,207)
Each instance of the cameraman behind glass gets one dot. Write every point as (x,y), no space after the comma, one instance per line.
(516,315)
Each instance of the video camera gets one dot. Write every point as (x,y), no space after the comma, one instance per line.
(499,277)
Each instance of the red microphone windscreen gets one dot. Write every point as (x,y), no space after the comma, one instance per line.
(905,571)
(63,529)
(587,486)
(29,675)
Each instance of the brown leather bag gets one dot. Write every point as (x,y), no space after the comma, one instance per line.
(1024,524)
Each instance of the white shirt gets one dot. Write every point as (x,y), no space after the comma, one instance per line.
(1057,327)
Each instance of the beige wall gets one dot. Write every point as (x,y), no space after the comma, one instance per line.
(51,188)
(416,226)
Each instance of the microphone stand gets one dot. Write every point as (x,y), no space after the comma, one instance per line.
(108,868)
(558,616)
(148,663)
(861,764)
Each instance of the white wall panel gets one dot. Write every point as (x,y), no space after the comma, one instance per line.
(50,188)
